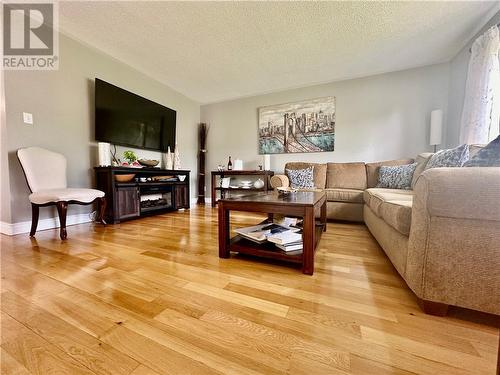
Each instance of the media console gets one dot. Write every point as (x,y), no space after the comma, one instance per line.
(138,198)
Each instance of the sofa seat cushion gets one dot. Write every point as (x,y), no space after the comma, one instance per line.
(397,214)
(68,194)
(391,205)
(374,197)
(344,195)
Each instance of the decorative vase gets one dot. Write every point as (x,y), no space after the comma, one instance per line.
(238,165)
(259,184)
(169,163)
(104,154)
(267,162)
(177,159)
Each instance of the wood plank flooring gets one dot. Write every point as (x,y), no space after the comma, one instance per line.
(151,296)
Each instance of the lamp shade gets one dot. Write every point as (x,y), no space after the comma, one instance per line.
(436,127)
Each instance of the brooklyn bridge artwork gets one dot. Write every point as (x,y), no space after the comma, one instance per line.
(305,126)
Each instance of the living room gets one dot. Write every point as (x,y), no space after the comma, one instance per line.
(366,131)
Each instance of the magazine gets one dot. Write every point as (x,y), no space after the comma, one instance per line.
(294,246)
(259,233)
(284,238)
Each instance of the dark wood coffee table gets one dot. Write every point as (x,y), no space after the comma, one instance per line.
(299,204)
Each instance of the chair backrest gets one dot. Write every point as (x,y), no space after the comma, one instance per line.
(43,169)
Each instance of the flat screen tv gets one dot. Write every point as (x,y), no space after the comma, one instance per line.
(126,119)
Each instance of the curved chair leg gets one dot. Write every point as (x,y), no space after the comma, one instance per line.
(35,211)
(102,209)
(62,208)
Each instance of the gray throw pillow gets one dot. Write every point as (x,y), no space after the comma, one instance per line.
(453,157)
(301,178)
(397,177)
(488,156)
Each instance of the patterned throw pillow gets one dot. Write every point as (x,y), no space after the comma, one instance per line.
(301,178)
(488,156)
(397,177)
(454,157)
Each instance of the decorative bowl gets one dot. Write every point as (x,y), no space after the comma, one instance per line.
(149,163)
(286,190)
(124,177)
(181,177)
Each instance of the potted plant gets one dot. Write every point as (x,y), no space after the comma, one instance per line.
(131,158)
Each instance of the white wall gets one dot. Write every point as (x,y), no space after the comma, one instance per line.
(62,103)
(377,118)
(458,77)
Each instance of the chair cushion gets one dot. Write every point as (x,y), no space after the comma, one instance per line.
(319,172)
(372,169)
(69,194)
(346,176)
(344,195)
(43,169)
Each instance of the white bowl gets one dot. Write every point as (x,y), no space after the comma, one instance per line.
(181,177)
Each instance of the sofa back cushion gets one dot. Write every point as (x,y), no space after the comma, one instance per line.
(319,172)
(346,176)
(373,168)
(421,160)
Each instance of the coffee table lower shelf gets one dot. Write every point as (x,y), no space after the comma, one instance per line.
(242,245)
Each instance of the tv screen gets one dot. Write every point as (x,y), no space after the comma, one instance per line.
(127,119)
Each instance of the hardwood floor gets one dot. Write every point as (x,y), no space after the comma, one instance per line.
(151,296)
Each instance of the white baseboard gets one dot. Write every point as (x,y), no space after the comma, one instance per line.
(53,222)
(194,201)
(43,224)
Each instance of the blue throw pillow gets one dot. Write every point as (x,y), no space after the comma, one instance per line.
(488,156)
(453,157)
(301,178)
(396,177)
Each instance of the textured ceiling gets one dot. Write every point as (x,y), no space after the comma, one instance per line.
(213,51)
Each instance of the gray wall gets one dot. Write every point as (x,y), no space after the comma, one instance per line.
(4,164)
(62,105)
(377,118)
(458,77)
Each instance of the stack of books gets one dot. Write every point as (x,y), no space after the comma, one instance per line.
(285,237)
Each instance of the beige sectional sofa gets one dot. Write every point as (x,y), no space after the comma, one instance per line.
(443,237)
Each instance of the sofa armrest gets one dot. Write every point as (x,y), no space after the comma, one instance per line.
(465,193)
(453,250)
(280,180)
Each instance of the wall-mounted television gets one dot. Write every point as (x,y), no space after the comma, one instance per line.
(126,119)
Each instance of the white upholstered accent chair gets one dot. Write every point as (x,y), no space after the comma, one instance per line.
(45,173)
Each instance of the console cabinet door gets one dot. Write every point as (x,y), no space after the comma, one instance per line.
(181,196)
(128,202)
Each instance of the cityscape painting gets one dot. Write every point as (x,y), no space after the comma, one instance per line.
(305,126)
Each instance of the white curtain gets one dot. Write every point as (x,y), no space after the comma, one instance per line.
(481,110)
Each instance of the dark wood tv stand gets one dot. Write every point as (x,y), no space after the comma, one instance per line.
(124,198)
